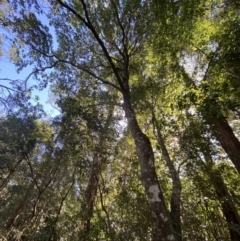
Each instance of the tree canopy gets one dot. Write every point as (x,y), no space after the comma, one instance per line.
(146,144)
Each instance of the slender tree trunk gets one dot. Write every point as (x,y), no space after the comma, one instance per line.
(176,188)
(93,183)
(228,140)
(110,230)
(90,193)
(228,207)
(161,217)
(20,206)
(53,234)
(163,227)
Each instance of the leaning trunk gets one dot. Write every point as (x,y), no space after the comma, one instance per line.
(228,207)
(220,127)
(228,140)
(20,207)
(176,184)
(163,227)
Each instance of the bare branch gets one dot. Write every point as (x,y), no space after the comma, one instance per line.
(7,88)
(122,29)
(40,70)
(83,68)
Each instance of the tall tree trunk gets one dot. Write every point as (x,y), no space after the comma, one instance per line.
(93,183)
(228,140)
(220,127)
(161,217)
(163,226)
(228,207)
(176,188)
(90,193)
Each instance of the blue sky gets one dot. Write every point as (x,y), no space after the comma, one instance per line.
(8,70)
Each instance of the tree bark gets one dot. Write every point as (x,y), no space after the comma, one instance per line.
(176,188)
(163,227)
(228,208)
(219,125)
(228,140)
(91,192)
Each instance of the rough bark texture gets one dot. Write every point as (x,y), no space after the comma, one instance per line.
(228,207)
(176,188)
(220,127)
(228,140)
(163,228)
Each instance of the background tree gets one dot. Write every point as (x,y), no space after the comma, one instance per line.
(171,69)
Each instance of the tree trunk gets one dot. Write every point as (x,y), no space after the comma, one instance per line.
(90,193)
(93,183)
(220,127)
(228,140)
(176,188)
(228,208)
(11,172)
(20,206)
(163,226)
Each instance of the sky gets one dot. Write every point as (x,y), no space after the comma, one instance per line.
(9,71)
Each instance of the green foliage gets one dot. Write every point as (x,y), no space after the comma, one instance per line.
(182,66)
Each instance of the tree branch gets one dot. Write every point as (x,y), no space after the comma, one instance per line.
(88,71)
(89,25)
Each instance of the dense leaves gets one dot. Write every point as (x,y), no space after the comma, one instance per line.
(146,143)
